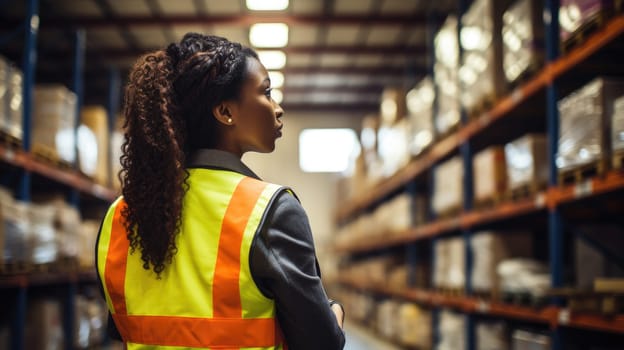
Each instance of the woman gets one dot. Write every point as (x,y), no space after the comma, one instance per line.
(199,252)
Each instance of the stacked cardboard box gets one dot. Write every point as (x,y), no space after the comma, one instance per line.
(490,173)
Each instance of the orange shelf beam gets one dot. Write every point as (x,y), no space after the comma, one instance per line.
(70,178)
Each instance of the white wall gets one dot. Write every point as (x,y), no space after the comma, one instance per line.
(317,191)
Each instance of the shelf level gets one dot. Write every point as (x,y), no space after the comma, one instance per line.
(45,279)
(70,178)
(609,33)
(551,315)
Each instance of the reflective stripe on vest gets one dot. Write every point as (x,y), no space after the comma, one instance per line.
(206,298)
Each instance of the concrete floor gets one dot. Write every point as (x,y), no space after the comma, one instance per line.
(361,338)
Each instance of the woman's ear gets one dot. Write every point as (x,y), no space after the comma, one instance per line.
(223,113)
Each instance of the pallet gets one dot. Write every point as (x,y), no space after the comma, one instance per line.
(582,172)
(10,141)
(524,191)
(523,299)
(49,155)
(489,202)
(451,292)
(589,27)
(450,213)
(617,161)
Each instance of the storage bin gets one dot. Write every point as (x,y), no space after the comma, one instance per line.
(523,38)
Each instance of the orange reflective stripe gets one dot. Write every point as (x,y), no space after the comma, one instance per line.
(115,271)
(226,289)
(199,332)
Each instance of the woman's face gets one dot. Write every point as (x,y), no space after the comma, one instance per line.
(257,116)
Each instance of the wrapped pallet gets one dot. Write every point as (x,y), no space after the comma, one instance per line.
(448,186)
(15,104)
(393,146)
(617,126)
(452,334)
(490,173)
(523,276)
(16,231)
(43,238)
(387,321)
(420,111)
(528,340)
(67,226)
(481,72)
(95,119)
(88,235)
(527,162)
(53,122)
(489,249)
(446,69)
(449,270)
(394,215)
(523,38)
(414,326)
(491,336)
(573,14)
(584,119)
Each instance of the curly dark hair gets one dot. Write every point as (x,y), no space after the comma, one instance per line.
(168,106)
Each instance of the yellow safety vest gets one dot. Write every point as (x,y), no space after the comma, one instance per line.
(207,297)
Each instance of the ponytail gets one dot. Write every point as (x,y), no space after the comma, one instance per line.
(155,139)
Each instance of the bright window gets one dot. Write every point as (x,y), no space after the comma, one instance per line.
(327,150)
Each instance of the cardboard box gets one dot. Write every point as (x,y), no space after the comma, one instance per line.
(523,38)
(490,173)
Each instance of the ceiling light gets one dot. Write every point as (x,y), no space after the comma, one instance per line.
(277,79)
(268,35)
(277,95)
(272,59)
(267,5)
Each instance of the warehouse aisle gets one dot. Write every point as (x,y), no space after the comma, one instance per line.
(360,338)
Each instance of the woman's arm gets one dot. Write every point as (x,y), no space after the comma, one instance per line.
(284,266)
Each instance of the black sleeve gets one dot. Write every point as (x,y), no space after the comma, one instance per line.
(284,266)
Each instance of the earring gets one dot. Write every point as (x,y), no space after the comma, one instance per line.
(229,120)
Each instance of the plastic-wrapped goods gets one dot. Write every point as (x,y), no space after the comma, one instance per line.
(491,336)
(449,269)
(88,235)
(448,185)
(490,173)
(574,13)
(414,326)
(95,118)
(523,275)
(43,237)
(526,340)
(15,111)
(53,121)
(481,72)
(617,125)
(67,226)
(16,231)
(446,68)
(420,108)
(523,38)
(392,107)
(584,120)
(89,323)
(44,325)
(397,277)
(394,215)
(527,162)
(393,147)
(489,249)
(452,331)
(387,321)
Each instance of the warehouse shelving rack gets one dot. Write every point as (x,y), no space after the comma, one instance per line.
(541,89)
(15,289)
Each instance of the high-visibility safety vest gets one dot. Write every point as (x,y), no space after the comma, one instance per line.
(206,298)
